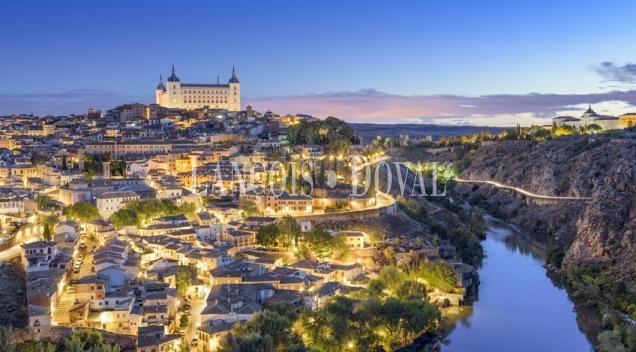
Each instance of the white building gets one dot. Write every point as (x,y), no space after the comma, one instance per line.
(175,94)
(109,202)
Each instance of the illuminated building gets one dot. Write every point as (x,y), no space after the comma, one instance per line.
(175,94)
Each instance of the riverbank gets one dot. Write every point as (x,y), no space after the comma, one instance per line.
(518,301)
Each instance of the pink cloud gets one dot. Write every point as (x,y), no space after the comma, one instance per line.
(374,106)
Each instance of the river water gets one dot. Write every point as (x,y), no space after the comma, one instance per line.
(519,307)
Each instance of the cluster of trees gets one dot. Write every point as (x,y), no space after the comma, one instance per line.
(82,211)
(597,287)
(467,239)
(410,282)
(541,133)
(45,202)
(342,324)
(141,212)
(48,223)
(93,162)
(84,340)
(382,142)
(285,233)
(183,280)
(65,163)
(336,135)
(275,329)
(318,242)
(249,208)
(38,158)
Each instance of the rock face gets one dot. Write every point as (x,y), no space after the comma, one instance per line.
(601,230)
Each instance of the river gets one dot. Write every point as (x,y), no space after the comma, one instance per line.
(519,307)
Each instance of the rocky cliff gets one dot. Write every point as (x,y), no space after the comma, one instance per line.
(597,230)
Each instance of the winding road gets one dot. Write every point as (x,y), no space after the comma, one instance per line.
(523,191)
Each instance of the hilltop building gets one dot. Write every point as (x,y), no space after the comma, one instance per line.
(589,117)
(189,96)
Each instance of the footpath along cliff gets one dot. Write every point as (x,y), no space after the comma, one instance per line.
(597,231)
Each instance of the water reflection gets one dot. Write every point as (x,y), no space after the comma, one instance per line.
(520,307)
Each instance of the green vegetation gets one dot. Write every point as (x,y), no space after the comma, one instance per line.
(47,233)
(45,202)
(441,276)
(595,287)
(93,163)
(268,236)
(320,242)
(82,211)
(342,324)
(39,159)
(249,208)
(6,341)
(554,256)
(184,321)
(465,239)
(289,231)
(284,233)
(410,282)
(183,280)
(83,340)
(593,128)
(124,217)
(142,212)
(270,330)
(373,325)
(336,135)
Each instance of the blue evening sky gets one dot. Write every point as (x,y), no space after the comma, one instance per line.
(284,50)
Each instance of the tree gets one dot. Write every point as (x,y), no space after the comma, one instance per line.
(188,209)
(340,247)
(124,217)
(43,202)
(390,142)
(441,276)
(46,234)
(184,347)
(593,128)
(249,208)
(271,324)
(289,231)
(183,280)
(108,348)
(49,220)
(74,345)
(64,165)
(338,147)
(563,131)
(184,321)
(268,236)
(6,341)
(82,211)
(610,341)
(320,241)
(88,338)
(45,347)
(249,342)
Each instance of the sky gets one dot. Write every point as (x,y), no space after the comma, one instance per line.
(494,63)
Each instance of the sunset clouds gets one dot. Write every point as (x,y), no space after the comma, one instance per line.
(501,109)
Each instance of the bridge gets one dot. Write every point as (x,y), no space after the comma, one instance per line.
(539,199)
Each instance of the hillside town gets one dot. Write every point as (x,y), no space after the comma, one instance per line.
(171,225)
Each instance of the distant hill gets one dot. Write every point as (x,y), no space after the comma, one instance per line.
(368,131)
